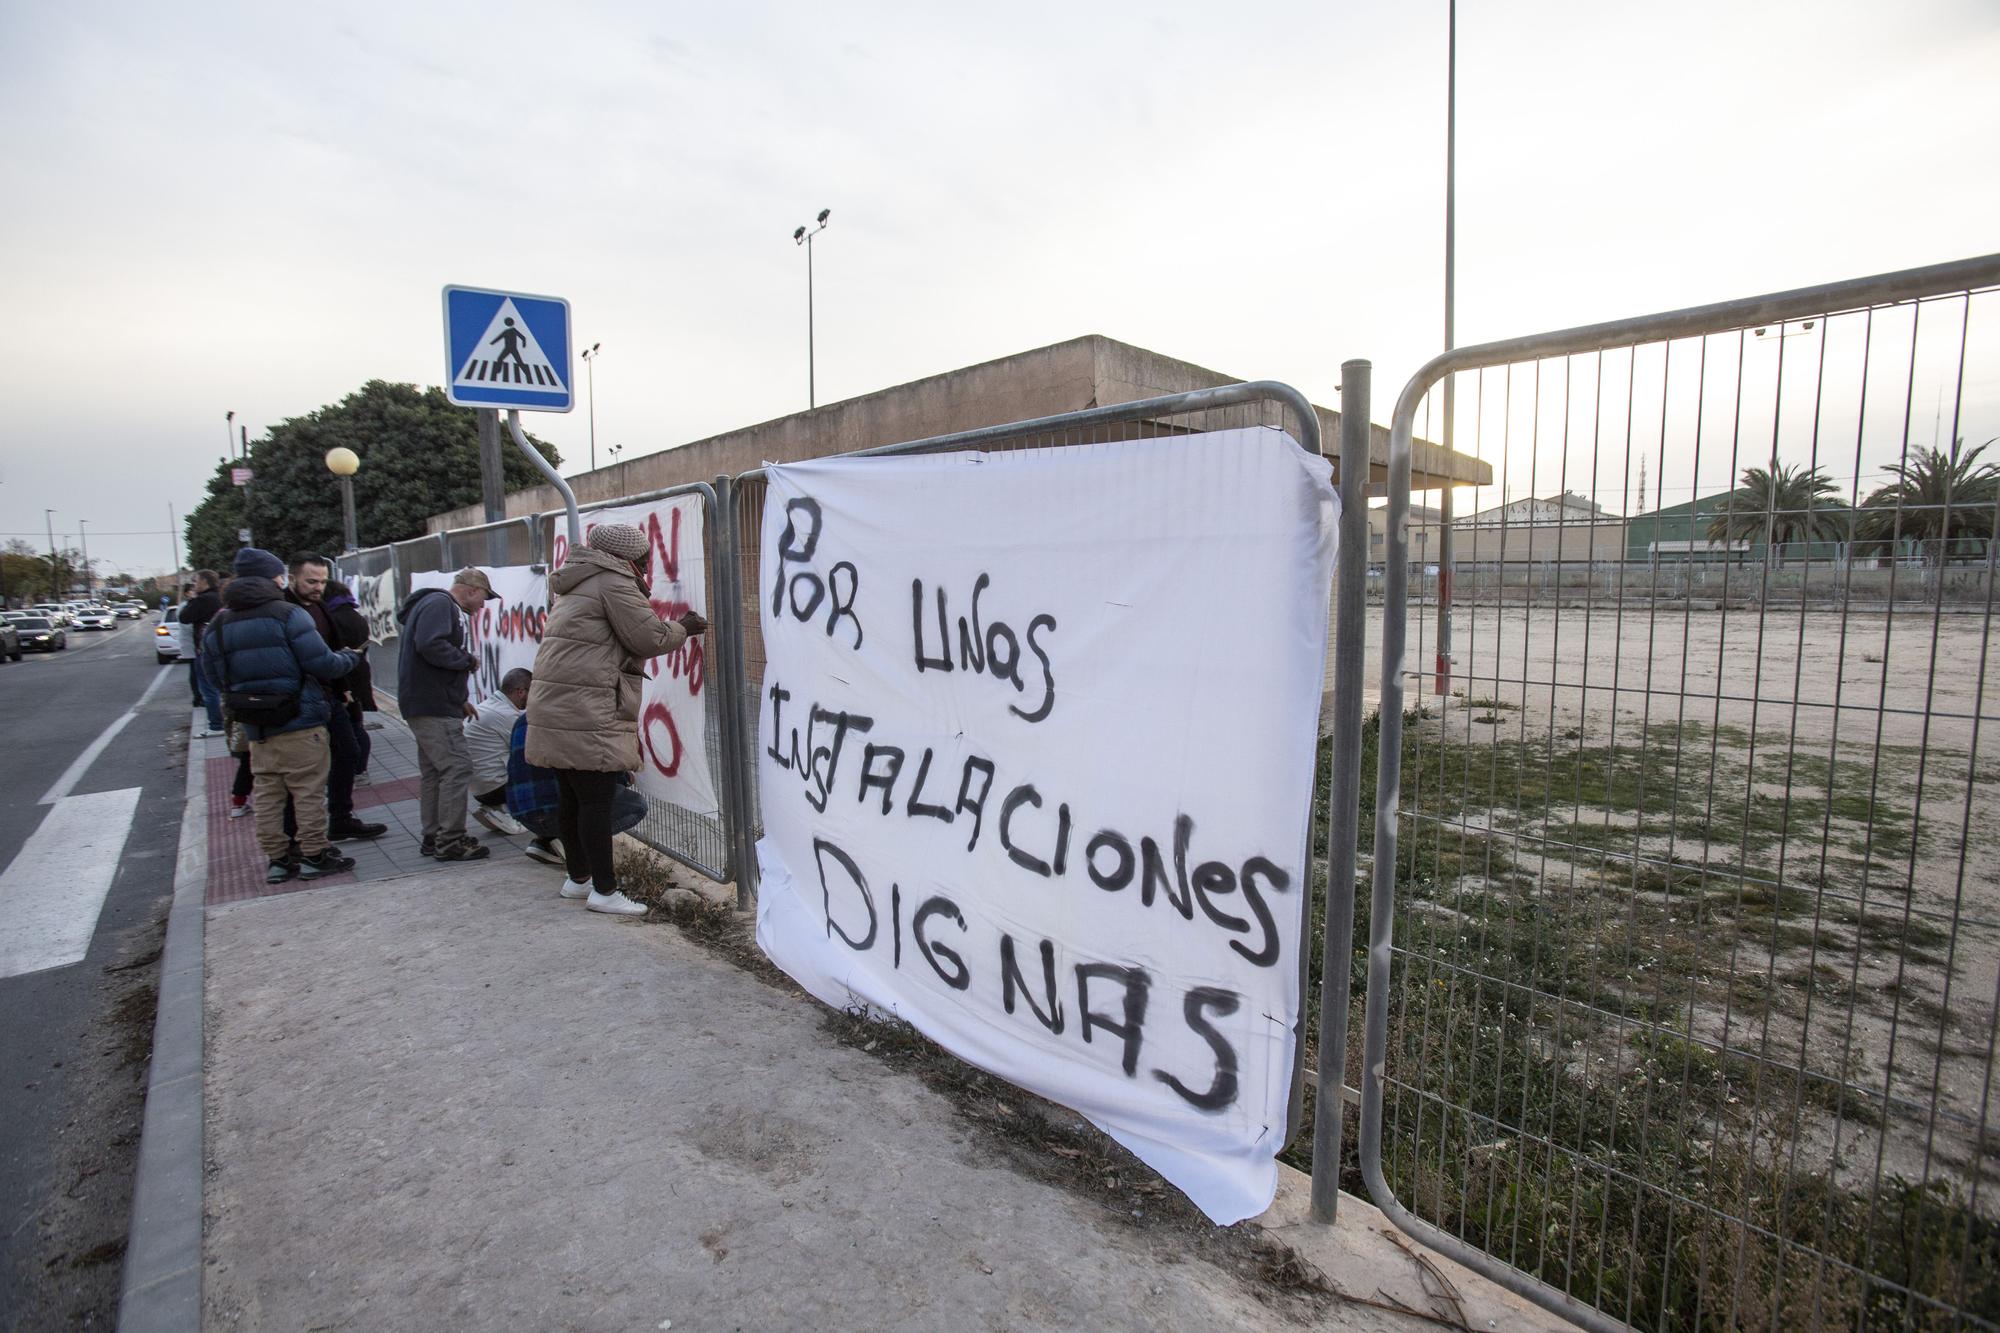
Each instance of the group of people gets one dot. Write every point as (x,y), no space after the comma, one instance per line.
(283,653)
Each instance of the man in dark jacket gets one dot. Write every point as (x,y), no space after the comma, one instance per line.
(196,612)
(261,645)
(431,676)
(307,590)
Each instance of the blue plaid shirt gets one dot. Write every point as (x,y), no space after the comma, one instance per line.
(530,790)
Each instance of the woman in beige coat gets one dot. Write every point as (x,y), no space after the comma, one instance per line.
(583,708)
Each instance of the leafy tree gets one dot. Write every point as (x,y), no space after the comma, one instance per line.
(25,573)
(1777,505)
(419,455)
(1935,501)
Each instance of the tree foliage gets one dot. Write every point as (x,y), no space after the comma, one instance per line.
(1778,505)
(24,573)
(419,456)
(1935,501)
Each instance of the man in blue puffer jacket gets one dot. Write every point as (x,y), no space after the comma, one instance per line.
(260,643)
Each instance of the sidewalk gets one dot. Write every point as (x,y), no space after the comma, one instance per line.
(439,1096)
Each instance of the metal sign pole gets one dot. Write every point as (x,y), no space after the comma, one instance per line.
(548,470)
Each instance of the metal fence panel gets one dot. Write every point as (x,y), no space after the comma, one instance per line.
(1685,928)
(513,541)
(703,842)
(1236,406)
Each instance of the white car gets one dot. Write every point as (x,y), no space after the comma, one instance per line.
(171,641)
(95,617)
(54,611)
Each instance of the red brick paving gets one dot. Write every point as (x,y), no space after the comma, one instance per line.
(235,864)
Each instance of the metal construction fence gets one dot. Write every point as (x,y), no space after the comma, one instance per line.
(1684,940)
(1683,925)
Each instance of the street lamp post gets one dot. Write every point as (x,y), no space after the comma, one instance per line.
(89,582)
(805,238)
(49,517)
(344,463)
(590,356)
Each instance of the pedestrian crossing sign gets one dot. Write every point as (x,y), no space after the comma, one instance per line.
(507,349)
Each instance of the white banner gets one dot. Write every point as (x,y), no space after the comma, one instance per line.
(1037,745)
(673,710)
(376,596)
(506,633)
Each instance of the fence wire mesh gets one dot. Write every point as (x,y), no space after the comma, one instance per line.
(1689,1005)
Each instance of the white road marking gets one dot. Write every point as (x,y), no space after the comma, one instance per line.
(51,895)
(74,773)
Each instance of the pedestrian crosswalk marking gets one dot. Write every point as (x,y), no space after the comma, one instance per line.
(507,353)
(54,889)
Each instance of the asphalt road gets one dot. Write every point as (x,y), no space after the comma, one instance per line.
(75,1037)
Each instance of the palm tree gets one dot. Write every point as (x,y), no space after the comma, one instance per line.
(1935,500)
(1776,505)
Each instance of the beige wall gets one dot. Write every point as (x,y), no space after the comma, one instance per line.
(1085,372)
(1568,542)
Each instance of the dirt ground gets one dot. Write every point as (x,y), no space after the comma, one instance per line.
(1799,807)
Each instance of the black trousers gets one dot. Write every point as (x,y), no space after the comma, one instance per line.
(584,816)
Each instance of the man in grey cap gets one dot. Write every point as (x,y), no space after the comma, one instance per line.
(431,676)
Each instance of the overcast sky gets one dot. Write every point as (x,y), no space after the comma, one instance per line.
(253,207)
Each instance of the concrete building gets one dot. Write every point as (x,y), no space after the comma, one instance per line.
(1070,376)
(1560,529)
(1425,527)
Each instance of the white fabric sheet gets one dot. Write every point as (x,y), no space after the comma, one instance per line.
(1106,788)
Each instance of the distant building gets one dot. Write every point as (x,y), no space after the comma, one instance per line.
(1563,529)
(1680,532)
(1082,373)
(1424,528)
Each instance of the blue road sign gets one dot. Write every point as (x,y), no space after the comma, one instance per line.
(507,349)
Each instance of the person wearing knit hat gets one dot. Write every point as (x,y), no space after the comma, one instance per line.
(253,563)
(583,708)
(270,665)
(623,540)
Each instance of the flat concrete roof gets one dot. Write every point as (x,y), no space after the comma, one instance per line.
(1086,372)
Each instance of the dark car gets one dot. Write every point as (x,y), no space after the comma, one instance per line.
(41,634)
(10,640)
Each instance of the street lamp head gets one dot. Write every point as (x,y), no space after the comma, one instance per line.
(799,236)
(342,462)
(823,214)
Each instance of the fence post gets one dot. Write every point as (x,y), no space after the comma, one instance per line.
(1343,801)
(723,614)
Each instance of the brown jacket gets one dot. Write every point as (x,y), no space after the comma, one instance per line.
(583,709)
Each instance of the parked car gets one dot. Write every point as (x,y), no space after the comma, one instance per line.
(171,640)
(42,634)
(10,641)
(95,617)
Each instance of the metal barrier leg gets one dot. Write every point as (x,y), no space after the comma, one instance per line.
(1344,799)
(725,633)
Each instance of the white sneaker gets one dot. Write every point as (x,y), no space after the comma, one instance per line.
(499,821)
(238,811)
(576,889)
(617,904)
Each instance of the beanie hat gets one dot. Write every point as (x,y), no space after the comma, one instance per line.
(620,539)
(253,563)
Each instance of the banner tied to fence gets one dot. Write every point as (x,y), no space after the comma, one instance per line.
(1036,748)
(673,707)
(505,633)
